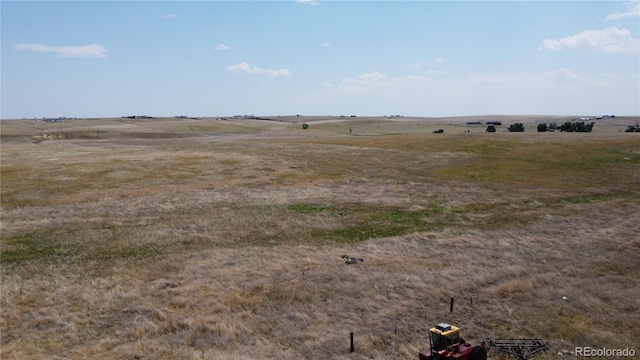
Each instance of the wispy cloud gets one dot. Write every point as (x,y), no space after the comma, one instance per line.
(607,41)
(85,51)
(437,72)
(170,16)
(421,64)
(325,44)
(245,68)
(483,79)
(366,78)
(632,10)
(563,74)
(363,83)
(409,78)
(308,2)
(222,47)
(375,81)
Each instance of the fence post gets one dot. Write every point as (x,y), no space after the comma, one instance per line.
(352,348)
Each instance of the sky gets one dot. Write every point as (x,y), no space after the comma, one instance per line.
(311,57)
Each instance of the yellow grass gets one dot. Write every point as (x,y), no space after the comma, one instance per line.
(209,239)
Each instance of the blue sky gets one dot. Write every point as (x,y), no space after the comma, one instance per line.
(411,58)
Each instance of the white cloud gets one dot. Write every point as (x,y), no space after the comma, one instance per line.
(325,44)
(170,16)
(86,51)
(563,74)
(607,41)
(245,68)
(308,2)
(633,10)
(437,60)
(222,47)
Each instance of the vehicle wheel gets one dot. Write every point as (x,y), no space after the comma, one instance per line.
(478,353)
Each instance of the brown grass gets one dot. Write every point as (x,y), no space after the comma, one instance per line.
(208,239)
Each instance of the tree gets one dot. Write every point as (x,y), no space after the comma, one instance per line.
(517,127)
(542,127)
(576,127)
(491,128)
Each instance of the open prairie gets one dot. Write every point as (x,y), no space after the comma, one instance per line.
(222,239)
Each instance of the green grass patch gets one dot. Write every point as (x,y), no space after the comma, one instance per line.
(55,245)
(33,246)
(362,223)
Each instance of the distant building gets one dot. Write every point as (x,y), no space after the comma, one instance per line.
(138,117)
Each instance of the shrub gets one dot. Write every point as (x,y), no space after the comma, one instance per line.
(633,128)
(542,127)
(491,128)
(305,126)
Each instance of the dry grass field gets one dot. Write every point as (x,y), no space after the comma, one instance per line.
(221,239)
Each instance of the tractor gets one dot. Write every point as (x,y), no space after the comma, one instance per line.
(445,343)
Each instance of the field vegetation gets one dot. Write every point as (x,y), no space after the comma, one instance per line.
(222,239)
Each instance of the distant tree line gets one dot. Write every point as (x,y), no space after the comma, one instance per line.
(566,127)
(569,126)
